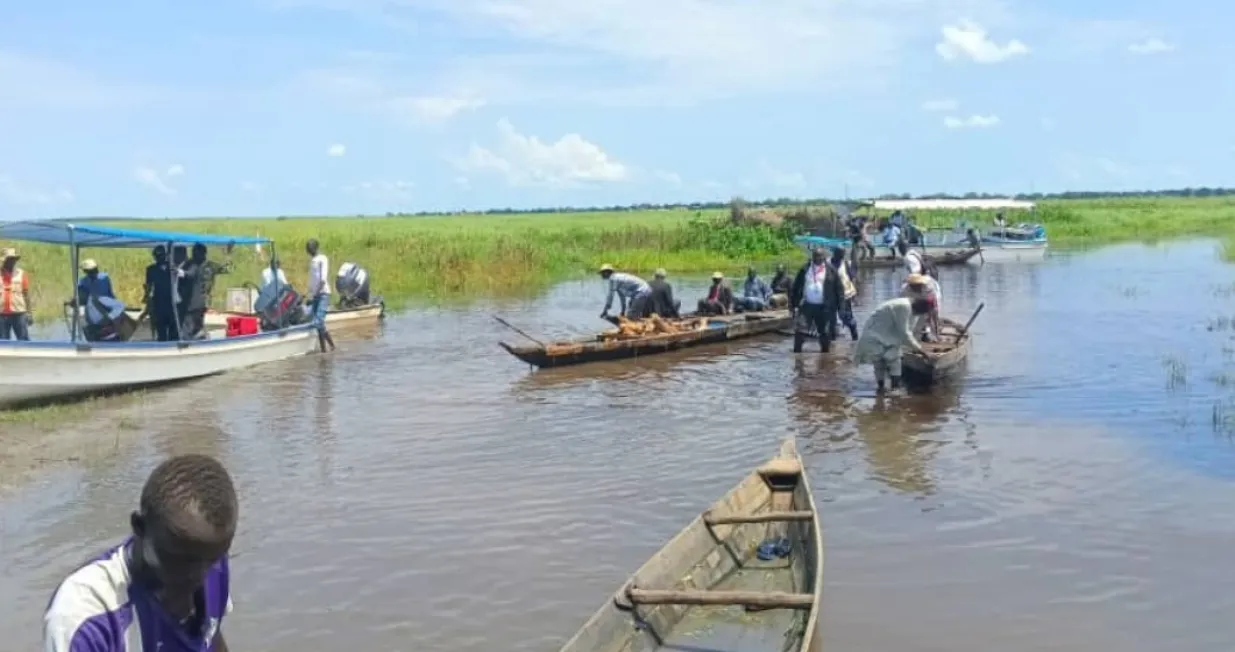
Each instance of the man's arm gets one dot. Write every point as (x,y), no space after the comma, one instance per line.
(907,334)
(25,293)
(609,298)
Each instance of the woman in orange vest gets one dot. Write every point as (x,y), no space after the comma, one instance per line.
(14,299)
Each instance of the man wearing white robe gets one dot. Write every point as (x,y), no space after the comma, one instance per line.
(887,331)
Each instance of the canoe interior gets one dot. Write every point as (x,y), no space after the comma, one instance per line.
(719,329)
(919,370)
(722,557)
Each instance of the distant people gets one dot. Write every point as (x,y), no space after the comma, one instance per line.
(168,585)
(815,299)
(782,283)
(891,238)
(912,258)
(93,282)
(633,293)
(887,331)
(15,303)
(318,292)
(756,294)
(858,238)
(159,297)
(844,269)
(971,236)
(718,300)
(662,301)
(352,282)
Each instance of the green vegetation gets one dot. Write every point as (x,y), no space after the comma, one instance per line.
(437,258)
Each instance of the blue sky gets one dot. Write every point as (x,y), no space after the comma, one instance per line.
(267,107)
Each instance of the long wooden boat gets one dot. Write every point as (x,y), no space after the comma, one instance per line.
(719,329)
(334,317)
(941,259)
(39,370)
(714,586)
(951,353)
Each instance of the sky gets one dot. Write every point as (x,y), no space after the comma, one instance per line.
(339,107)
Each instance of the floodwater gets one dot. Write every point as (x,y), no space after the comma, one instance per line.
(421,490)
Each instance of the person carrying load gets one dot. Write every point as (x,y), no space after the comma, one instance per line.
(352,283)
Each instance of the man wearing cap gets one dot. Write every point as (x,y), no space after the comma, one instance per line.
(93,283)
(921,286)
(662,302)
(756,294)
(815,299)
(15,302)
(633,292)
(719,300)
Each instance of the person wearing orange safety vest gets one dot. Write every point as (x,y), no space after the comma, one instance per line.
(14,298)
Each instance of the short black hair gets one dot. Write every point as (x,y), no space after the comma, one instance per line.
(191,482)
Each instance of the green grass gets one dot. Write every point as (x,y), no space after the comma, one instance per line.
(441,258)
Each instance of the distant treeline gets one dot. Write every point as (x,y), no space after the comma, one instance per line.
(791,201)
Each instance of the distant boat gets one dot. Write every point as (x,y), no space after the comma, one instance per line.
(40,370)
(1023,242)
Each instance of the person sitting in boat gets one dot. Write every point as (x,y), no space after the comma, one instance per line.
(633,293)
(756,294)
(844,269)
(352,282)
(922,286)
(662,302)
(93,283)
(886,332)
(814,300)
(106,320)
(782,284)
(719,300)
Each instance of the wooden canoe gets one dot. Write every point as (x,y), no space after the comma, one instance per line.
(952,349)
(720,328)
(708,589)
(335,316)
(946,259)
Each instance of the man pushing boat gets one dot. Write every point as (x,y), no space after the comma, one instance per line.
(633,292)
(887,331)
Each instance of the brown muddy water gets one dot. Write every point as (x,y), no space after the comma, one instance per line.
(420,490)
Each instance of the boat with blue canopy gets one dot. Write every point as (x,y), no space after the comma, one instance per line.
(1001,240)
(34,371)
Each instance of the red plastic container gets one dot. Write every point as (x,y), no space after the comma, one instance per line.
(238,326)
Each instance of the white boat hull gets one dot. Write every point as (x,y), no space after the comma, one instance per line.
(335,316)
(997,252)
(34,371)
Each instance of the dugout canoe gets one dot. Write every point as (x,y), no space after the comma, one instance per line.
(945,259)
(711,588)
(952,351)
(720,328)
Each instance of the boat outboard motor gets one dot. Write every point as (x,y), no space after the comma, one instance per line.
(352,284)
(284,311)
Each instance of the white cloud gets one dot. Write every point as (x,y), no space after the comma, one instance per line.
(673,51)
(972,122)
(336,150)
(387,192)
(940,105)
(969,40)
(159,181)
(14,192)
(1151,46)
(528,161)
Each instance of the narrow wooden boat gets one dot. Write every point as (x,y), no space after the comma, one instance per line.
(334,317)
(720,328)
(722,584)
(944,259)
(952,351)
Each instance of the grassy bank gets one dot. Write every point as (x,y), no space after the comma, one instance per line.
(436,258)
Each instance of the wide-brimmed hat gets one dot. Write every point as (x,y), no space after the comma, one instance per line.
(917,279)
(8,253)
(88,265)
(606,268)
(661,273)
(716,276)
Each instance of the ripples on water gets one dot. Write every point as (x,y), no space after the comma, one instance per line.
(423,491)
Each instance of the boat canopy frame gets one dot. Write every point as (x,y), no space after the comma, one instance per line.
(78,236)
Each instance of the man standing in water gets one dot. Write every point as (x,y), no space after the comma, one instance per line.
(816,296)
(844,269)
(319,292)
(167,587)
(887,330)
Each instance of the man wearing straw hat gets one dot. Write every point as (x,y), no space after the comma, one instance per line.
(15,301)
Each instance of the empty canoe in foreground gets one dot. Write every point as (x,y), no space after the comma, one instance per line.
(719,329)
(746,575)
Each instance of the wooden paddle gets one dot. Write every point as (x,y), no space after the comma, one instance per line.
(517,330)
(964,331)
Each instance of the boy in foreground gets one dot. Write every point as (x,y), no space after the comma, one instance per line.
(166,587)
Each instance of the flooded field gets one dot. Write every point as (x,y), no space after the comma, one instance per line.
(421,490)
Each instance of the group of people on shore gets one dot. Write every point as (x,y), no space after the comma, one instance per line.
(820,298)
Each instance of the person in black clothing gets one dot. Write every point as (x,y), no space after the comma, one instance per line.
(184,284)
(814,300)
(157,297)
(199,275)
(781,282)
(662,302)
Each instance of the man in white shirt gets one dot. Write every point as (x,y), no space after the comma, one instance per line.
(633,292)
(318,293)
(814,300)
(888,330)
